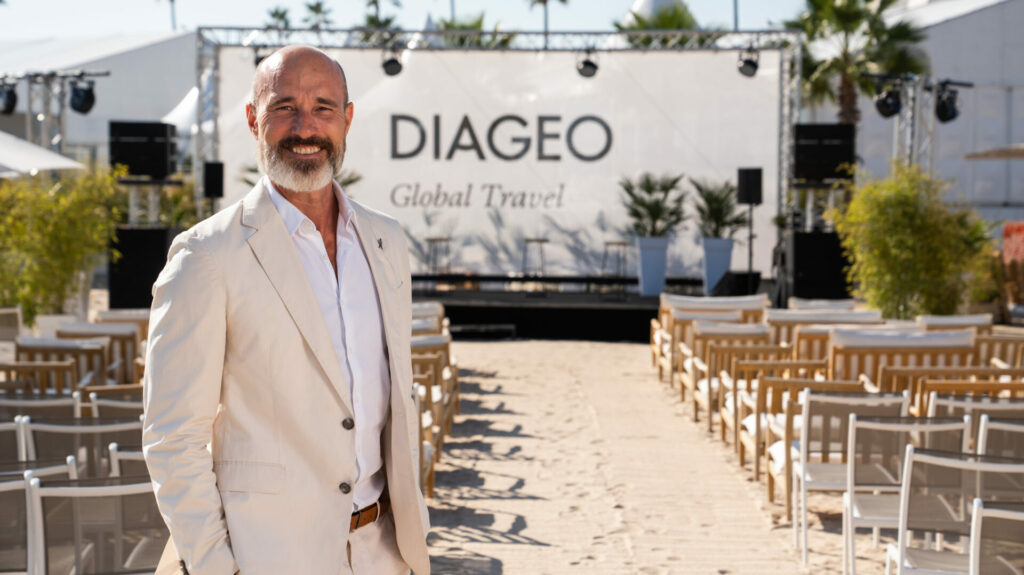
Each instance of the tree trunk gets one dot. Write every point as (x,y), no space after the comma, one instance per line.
(849,113)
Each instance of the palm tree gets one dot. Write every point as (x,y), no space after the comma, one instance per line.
(674,17)
(174,17)
(652,209)
(544,3)
(860,43)
(318,16)
(278,20)
(497,39)
(717,215)
(375,4)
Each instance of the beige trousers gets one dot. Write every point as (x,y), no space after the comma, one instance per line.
(373,550)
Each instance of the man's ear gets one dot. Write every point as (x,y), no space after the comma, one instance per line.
(250,118)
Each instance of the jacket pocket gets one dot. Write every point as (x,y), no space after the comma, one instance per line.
(249,476)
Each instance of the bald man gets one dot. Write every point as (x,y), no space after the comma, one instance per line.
(280,430)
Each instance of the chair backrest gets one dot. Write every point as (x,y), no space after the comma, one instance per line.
(132,536)
(14,531)
(122,350)
(752,306)
(10,446)
(426,325)
(706,334)
(1001,437)
(46,324)
(89,354)
(103,407)
(899,378)
(723,357)
(10,323)
(85,438)
(41,406)
(422,309)
(800,303)
(682,322)
(959,404)
(856,353)
(824,430)
(127,460)
(938,489)
(997,538)
(981,322)
(1008,349)
(57,377)
(138,316)
(877,446)
(784,321)
(810,341)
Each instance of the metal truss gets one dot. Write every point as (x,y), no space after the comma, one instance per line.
(46,109)
(264,40)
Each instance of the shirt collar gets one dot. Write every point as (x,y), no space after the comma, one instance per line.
(293,217)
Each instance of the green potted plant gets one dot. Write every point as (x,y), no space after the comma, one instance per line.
(718,219)
(655,209)
(910,251)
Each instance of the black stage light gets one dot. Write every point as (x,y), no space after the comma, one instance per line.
(82,97)
(392,67)
(587,68)
(945,104)
(888,103)
(8,99)
(747,64)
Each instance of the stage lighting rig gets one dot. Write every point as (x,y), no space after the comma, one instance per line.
(83,98)
(587,67)
(888,102)
(748,62)
(8,98)
(946,108)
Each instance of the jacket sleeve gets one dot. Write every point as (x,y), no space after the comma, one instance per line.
(182,384)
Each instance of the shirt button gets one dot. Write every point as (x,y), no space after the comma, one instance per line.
(345,488)
(348,423)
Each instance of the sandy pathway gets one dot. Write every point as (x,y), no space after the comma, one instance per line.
(570,457)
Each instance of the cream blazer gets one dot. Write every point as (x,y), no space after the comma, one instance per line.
(244,399)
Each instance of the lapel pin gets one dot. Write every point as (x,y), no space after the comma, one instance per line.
(380,243)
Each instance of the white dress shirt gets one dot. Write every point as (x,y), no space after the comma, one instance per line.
(349,303)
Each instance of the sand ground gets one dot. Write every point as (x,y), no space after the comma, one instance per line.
(571,457)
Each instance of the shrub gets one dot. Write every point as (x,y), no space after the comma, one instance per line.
(652,209)
(52,234)
(910,251)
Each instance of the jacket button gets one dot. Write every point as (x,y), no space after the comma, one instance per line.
(345,488)
(348,423)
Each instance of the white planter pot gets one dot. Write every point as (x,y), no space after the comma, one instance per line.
(651,256)
(717,259)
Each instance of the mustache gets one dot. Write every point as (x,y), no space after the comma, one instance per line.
(322,143)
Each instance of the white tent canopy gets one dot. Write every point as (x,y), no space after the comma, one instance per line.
(19,157)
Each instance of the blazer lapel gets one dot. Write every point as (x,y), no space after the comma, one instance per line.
(276,253)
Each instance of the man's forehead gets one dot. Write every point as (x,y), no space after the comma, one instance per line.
(290,73)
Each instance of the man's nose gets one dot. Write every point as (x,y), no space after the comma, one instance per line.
(304,124)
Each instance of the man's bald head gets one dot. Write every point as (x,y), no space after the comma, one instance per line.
(289,57)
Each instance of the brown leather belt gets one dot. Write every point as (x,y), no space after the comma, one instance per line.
(369,514)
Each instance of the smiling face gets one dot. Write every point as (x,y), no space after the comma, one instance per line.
(300,115)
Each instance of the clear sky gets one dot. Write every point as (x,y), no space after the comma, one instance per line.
(33,19)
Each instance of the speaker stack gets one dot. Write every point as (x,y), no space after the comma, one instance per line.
(146,148)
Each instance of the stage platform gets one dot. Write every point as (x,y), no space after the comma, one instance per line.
(599,308)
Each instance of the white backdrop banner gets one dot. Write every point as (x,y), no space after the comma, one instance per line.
(490,148)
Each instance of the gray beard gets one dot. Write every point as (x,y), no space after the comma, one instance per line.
(296,178)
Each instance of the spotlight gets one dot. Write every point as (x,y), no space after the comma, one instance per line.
(945,104)
(82,96)
(747,64)
(8,99)
(586,67)
(888,103)
(392,66)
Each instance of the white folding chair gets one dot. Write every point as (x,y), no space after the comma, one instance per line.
(1001,437)
(85,438)
(997,539)
(937,492)
(14,533)
(100,525)
(818,457)
(874,466)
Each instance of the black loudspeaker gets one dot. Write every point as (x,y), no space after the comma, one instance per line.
(748,186)
(819,153)
(147,148)
(815,266)
(213,180)
(143,254)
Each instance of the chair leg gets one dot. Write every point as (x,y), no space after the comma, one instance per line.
(795,522)
(803,518)
(846,542)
